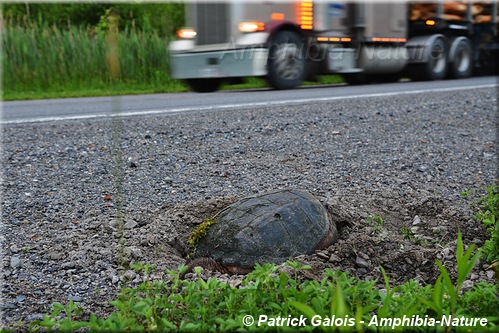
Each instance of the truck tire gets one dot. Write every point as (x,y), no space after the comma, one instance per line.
(204,85)
(438,62)
(461,58)
(286,60)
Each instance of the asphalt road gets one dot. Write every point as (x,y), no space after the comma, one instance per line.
(136,105)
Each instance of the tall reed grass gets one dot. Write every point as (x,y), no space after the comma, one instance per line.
(38,58)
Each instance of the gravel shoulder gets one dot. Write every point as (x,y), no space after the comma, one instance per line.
(69,187)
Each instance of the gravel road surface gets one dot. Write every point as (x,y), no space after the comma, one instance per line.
(68,186)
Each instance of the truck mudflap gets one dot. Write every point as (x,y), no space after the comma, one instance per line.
(219,64)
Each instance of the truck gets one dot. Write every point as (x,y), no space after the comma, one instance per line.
(291,42)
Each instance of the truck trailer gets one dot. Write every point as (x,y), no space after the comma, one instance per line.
(290,42)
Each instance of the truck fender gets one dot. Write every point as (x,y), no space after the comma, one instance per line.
(266,37)
(274,27)
(419,48)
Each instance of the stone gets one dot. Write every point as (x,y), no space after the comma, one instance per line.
(361,262)
(15,262)
(75,298)
(14,249)
(334,258)
(130,224)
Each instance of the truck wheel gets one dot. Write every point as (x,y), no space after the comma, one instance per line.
(437,65)
(461,58)
(204,85)
(286,62)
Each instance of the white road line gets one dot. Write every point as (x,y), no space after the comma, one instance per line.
(240,105)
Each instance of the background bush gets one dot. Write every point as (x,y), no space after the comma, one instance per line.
(63,47)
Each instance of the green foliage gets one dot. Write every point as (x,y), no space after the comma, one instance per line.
(50,51)
(338,302)
(375,220)
(163,18)
(407,232)
(489,216)
(444,288)
(40,58)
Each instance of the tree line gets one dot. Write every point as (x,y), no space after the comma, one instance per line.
(163,18)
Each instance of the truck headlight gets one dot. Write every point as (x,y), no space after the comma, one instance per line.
(251,26)
(186,33)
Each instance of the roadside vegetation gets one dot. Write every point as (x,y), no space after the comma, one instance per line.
(338,302)
(61,50)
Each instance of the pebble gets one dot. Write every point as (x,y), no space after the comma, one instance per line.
(15,262)
(361,262)
(323,255)
(334,258)
(14,249)
(75,298)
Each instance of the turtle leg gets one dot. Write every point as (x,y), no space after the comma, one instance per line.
(330,238)
(213,265)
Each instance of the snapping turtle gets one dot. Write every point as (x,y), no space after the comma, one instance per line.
(271,227)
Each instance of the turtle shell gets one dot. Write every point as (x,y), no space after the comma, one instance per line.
(271,227)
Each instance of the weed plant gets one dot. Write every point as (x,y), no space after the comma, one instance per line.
(42,60)
(338,302)
(489,216)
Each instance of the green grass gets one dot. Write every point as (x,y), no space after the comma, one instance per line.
(488,214)
(42,61)
(266,294)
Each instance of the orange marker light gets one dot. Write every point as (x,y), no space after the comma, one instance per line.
(430,22)
(277,16)
(306,14)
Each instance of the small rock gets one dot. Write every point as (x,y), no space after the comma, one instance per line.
(115,279)
(363,255)
(334,258)
(106,252)
(323,255)
(467,284)
(36,316)
(68,265)
(15,262)
(20,298)
(422,168)
(361,262)
(55,255)
(128,276)
(133,251)
(75,298)
(14,249)
(130,224)
(416,220)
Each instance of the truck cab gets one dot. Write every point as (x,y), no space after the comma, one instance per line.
(289,42)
